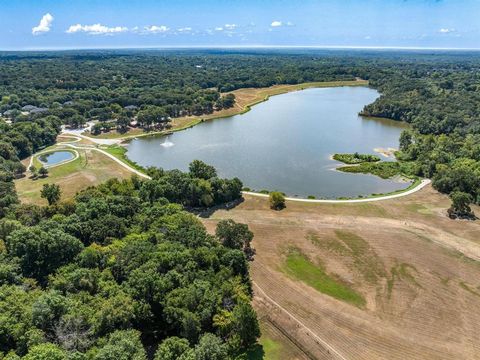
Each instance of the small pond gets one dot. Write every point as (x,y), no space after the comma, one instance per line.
(56,157)
(285,144)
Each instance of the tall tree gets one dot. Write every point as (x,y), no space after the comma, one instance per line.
(51,192)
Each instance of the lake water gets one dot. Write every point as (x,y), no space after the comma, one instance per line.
(55,157)
(284,144)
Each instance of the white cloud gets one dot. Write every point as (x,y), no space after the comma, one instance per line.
(44,26)
(368,37)
(219,28)
(446,30)
(230,26)
(154,29)
(96,29)
(185,29)
(276,23)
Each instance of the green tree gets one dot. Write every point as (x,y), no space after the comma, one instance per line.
(210,347)
(76,121)
(47,351)
(51,192)
(277,200)
(172,348)
(8,195)
(152,115)
(42,252)
(246,324)
(460,207)
(122,345)
(233,235)
(198,169)
(405,140)
(43,171)
(33,171)
(97,129)
(48,309)
(122,124)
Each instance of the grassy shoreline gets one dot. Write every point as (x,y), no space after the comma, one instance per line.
(256,96)
(246,99)
(120,153)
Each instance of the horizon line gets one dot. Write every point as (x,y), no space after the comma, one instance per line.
(166,47)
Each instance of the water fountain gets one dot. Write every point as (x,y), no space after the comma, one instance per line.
(167,143)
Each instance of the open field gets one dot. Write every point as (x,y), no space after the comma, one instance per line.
(244,100)
(91,168)
(275,345)
(417,270)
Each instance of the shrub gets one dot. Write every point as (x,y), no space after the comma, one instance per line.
(460,207)
(277,200)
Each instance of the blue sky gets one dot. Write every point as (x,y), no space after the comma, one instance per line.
(50,24)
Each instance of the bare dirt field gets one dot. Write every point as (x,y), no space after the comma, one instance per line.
(414,272)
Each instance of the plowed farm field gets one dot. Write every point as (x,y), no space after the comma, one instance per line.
(394,279)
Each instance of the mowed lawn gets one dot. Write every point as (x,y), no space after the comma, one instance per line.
(91,168)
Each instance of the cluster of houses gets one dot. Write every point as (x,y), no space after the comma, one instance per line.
(9,115)
(25,110)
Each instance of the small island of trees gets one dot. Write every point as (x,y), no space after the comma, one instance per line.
(355,158)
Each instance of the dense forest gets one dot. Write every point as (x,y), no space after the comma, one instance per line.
(437,92)
(125,270)
(121,272)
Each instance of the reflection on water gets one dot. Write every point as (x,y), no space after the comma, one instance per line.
(284,144)
(55,157)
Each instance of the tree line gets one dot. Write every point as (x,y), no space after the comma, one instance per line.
(438,93)
(124,272)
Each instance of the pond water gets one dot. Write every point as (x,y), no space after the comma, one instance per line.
(284,144)
(55,157)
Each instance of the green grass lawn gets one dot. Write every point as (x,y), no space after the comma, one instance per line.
(266,349)
(383,169)
(29,189)
(298,266)
(90,168)
(120,153)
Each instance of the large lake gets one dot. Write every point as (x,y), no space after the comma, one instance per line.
(284,144)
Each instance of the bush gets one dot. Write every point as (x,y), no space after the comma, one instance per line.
(460,207)
(277,200)
(355,158)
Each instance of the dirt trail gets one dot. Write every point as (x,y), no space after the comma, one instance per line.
(330,350)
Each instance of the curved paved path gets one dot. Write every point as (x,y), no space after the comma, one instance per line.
(125,165)
(420,186)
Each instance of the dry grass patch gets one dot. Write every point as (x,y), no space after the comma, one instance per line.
(91,168)
(416,270)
